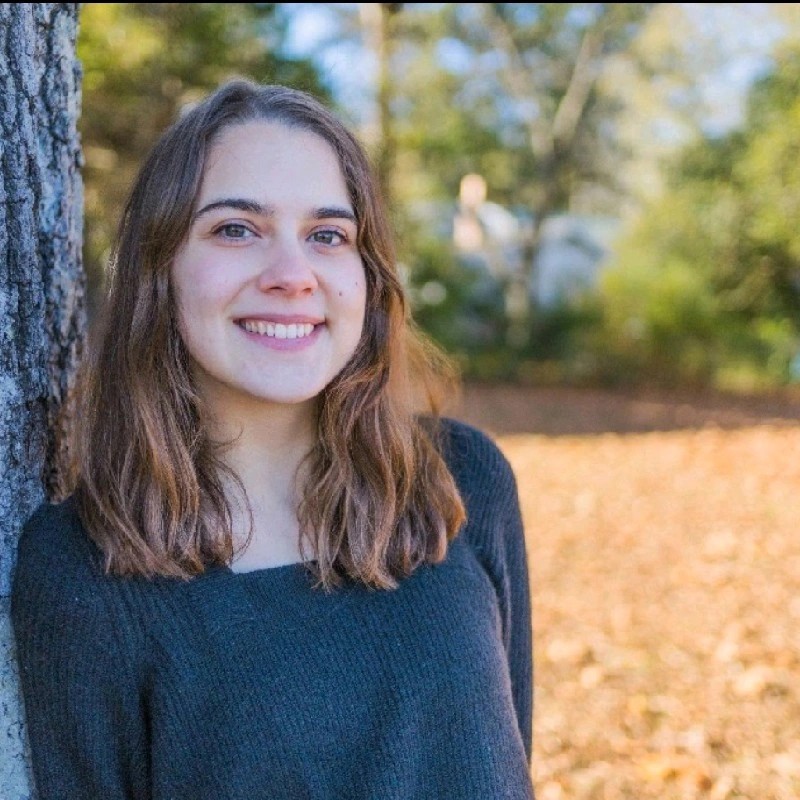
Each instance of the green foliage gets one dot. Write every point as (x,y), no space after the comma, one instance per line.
(658,325)
(706,289)
(458,304)
(141,62)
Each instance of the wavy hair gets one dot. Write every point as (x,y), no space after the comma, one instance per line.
(377,497)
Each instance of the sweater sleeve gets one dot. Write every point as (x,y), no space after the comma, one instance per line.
(83,707)
(519,642)
(494,529)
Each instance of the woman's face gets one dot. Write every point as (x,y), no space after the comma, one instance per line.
(270,286)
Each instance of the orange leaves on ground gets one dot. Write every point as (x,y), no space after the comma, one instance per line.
(665,571)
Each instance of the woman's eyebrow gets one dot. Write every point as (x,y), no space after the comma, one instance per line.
(239,203)
(334,212)
(254,207)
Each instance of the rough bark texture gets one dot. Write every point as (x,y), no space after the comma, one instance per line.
(41,300)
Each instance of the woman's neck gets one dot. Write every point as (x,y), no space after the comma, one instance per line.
(264,443)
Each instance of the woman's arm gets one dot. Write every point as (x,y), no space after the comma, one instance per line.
(519,643)
(495,531)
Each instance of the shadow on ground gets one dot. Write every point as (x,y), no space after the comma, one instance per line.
(565,411)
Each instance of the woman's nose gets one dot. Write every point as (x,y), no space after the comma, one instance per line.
(287,270)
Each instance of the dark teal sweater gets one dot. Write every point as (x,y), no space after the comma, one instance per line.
(257,686)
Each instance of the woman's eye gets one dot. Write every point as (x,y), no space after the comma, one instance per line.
(329,237)
(233,230)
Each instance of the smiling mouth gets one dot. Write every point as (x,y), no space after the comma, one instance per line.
(278,330)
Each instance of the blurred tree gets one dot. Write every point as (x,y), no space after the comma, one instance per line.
(141,62)
(707,285)
(377,21)
(520,99)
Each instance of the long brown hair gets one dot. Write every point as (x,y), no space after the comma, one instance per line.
(377,498)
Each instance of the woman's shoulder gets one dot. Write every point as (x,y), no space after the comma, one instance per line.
(474,457)
(55,552)
(488,487)
(67,615)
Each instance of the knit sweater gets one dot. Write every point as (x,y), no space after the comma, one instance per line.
(259,686)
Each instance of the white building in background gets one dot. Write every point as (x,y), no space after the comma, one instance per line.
(574,250)
(574,247)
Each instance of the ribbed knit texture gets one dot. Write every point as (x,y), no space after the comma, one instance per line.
(257,686)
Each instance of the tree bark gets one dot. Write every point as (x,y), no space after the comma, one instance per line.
(42,316)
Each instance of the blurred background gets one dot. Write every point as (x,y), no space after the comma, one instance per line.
(592,193)
(597,210)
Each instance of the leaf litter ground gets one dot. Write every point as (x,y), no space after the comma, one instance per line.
(664,553)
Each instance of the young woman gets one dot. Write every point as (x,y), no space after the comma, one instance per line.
(275,578)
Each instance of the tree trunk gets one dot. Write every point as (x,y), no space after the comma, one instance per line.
(42,318)
(377,19)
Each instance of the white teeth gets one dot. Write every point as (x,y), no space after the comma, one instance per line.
(277,329)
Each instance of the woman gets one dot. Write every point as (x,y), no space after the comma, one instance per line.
(274,578)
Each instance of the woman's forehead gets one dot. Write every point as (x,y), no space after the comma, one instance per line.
(272,163)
